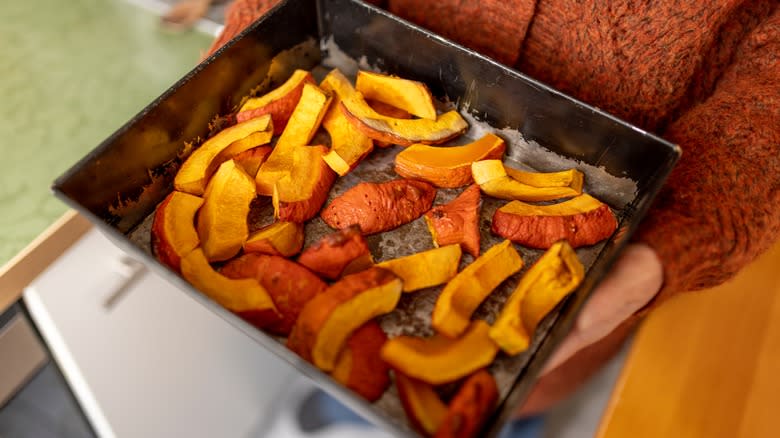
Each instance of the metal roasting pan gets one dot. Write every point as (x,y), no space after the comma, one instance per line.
(119,184)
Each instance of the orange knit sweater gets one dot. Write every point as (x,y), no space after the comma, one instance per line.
(702,74)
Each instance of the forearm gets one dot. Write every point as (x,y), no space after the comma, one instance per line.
(719,208)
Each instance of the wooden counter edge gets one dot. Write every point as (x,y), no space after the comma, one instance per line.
(38,255)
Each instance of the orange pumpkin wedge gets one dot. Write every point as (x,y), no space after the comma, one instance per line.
(493,180)
(447,166)
(422,404)
(194,174)
(359,366)
(408,95)
(470,408)
(173,230)
(457,221)
(571,178)
(401,131)
(427,268)
(299,195)
(244,297)
(280,238)
(337,254)
(303,124)
(252,159)
(582,221)
(464,293)
(328,319)
(348,145)
(279,103)
(439,360)
(556,274)
(222,220)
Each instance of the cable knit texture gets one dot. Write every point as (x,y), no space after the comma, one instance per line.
(703,74)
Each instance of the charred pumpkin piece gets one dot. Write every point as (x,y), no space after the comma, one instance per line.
(289,284)
(494,181)
(280,238)
(582,221)
(359,366)
(348,146)
(251,160)
(279,103)
(380,207)
(244,297)
(401,131)
(410,96)
(439,360)
(447,166)
(173,230)
(556,274)
(464,293)
(222,221)
(423,407)
(331,317)
(194,174)
(341,253)
(425,269)
(303,124)
(457,222)
(298,196)
(470,408)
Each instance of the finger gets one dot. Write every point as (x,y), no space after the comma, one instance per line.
(631,284)
(635,279)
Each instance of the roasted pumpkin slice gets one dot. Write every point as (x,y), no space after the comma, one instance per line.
(173,230)
(582,221)
(303,124)
(439,360)
(492,177)
(279,103)
(464,293)
(447,166)
(457,221)
(359,367)
(222,221)
(245,297)
(556,274)
(401,131)
(470,408)
(328,320)
(280,238)
(427,268)
(422,404)
(194,174)
(408,95)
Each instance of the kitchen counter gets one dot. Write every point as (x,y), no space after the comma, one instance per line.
(71,72)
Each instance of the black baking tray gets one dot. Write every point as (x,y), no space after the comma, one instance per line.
(119,184)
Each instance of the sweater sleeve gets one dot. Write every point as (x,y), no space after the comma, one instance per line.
(719,209)
(242,13)
(495,28)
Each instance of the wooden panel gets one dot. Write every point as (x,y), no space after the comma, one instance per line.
(22,355)
(706,364)
(38,255)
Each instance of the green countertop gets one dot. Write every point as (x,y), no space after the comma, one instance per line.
(71,73)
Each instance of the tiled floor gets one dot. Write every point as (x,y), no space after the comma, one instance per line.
(44,409)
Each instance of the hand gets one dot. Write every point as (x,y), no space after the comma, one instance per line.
(635,279)
(185,13)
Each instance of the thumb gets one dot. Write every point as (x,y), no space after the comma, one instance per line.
(635,279)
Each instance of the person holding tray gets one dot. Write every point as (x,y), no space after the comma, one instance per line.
(704,75)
